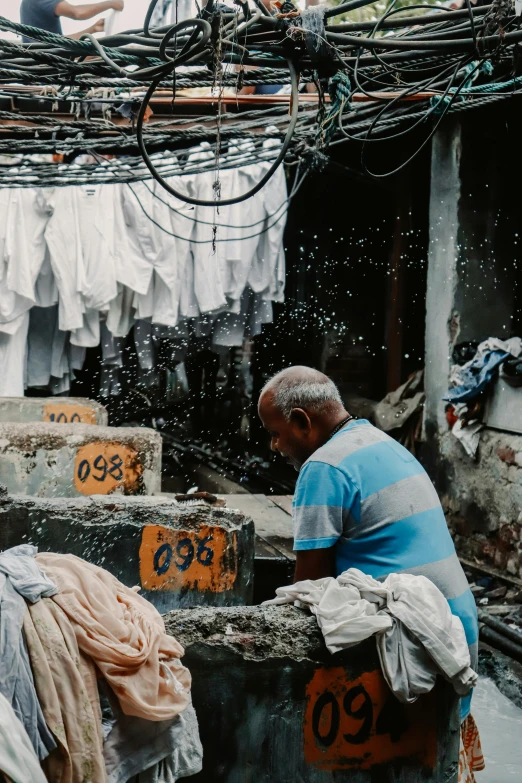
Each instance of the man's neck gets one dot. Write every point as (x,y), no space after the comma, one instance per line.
(331,423)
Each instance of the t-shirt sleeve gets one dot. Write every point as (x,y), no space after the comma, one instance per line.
(323,498)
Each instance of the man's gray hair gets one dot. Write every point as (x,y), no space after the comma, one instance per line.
(302,387)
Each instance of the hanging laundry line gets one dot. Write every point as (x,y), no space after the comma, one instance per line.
(83,265)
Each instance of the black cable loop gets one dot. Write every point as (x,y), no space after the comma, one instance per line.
(236,199)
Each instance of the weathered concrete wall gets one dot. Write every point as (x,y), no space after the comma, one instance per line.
(474,224)
(63,410)
(67,460)
(180,556)
(275,707)
(483,498)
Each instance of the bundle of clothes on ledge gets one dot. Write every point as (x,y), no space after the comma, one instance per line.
(92,689)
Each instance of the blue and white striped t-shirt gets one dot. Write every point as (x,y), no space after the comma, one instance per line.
(365,494)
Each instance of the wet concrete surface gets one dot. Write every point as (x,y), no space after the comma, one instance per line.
(500,725)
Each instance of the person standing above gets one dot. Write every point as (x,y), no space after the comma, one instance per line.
(361,500)
(46,14)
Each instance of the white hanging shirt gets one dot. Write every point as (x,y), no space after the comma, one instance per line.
(13,353)
(267,273)
(248,220)
(136,245)
(208,283)
(66,257)
(96,206)
(181,223)
(23,252)
(81,237)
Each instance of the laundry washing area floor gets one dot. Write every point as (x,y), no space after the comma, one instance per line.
(500,725)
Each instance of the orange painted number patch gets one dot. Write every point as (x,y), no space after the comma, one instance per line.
(359,723)
(174,559)
(102,468)
(68,414)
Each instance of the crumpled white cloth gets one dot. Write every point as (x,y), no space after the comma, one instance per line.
(25,574)
(17,757)
(417,635)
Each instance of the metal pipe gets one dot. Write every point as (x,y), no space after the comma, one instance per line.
(500,627)
(501,643)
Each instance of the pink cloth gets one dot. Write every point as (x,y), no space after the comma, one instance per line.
(124,635)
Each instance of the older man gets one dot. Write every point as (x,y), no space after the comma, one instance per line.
(361,500)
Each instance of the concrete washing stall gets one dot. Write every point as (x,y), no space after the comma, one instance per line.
(180,556)
(275,707)
(62,410)
(70,460)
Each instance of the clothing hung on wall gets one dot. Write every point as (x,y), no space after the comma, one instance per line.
(81,265)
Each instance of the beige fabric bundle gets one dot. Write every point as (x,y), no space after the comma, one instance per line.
(65,682)
(124,635)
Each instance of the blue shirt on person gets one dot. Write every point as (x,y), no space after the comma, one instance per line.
(41,13)
(365,494)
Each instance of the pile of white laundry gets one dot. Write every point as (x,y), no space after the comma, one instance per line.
(417,636)
(82,264)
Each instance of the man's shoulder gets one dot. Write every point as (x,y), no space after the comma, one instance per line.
(354,438)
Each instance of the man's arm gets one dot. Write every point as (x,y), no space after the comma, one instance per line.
(314,564)
(87,10)
(323,496)
(97,27)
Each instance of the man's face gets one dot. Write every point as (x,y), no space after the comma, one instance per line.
(294,439)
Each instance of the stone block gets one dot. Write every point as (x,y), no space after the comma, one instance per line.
(275,707)
(68,460)
(180,556)
(63,410)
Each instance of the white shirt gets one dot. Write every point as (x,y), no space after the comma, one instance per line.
(23,250)
(208,283)
(66,256)
(13,353)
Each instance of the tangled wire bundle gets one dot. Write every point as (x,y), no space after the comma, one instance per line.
(407,68)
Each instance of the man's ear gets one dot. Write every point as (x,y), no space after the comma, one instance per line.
(301,419)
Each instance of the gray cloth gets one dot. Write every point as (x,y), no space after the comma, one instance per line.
(110,381)
(397,407)
(186,758)
(134,745)
(16,677)
(43,327)
(25,574)
(231,329)
(51,359)
(144,343)
(18,761)
(112,361)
